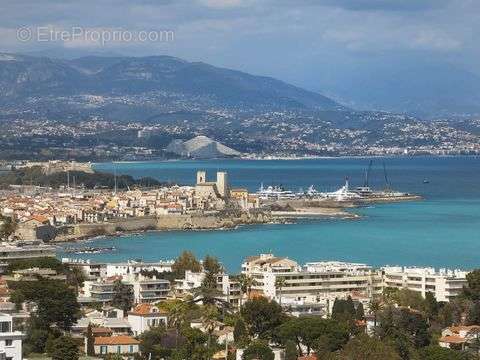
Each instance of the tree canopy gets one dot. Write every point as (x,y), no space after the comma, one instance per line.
(364,347)
(57,303)
(262,317)
(258,350)
(65,348)
(186,261)
(123,297)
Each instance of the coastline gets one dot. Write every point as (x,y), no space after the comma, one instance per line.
(139,225)
(220,221)
(287,158)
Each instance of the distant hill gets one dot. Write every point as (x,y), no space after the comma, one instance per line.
(27,79)
(426,88)
(201,147)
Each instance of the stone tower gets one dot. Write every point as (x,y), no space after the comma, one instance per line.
(222,184)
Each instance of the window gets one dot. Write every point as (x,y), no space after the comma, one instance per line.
(4,326)
(131,348)
(119,349)
(8,342)
(103,349)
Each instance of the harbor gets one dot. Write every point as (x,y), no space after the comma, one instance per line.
(74,212)
(383,233)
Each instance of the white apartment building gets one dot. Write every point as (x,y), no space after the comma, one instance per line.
(321,279)
(229,287)
(444,284)
(100,290)
(145,290)
(190,281)
(332,279)
(25,250)
(91,270)
(10,341)
(136,267)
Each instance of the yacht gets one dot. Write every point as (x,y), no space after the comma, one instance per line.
(274,192)
(310,192)
(342,194)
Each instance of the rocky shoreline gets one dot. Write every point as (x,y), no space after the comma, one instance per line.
(191,222)
(282,212)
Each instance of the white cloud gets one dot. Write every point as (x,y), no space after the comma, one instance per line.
(435,40)
(225,4)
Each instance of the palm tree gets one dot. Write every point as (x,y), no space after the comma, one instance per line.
(177,316)
(209,320)
(243,283)
(280,284)
(246,283)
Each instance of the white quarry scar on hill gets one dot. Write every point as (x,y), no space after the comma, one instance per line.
(201,146)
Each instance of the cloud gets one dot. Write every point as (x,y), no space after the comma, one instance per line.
(375,5)
(435,40)
(282,38)
(222,4)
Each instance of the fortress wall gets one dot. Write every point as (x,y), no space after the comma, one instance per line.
(163,222)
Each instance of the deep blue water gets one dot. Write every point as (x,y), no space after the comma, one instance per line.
(443,230)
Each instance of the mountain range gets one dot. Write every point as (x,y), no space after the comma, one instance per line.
(122,88)
(122,105)
(24,79)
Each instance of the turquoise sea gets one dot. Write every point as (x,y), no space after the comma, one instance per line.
(442,231)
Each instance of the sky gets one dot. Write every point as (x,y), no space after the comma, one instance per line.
(311,43)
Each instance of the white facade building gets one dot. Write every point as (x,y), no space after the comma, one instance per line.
(25,250)
(91,270)
(322,279)
(148,290)
(191,280)
(136,267)
(334,279)
(144,317)
(443,284)
(145,290)
(10,341)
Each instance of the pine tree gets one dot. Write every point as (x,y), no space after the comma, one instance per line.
(240,334)
(123,296)
(90,341)
(359,312)
(65,348)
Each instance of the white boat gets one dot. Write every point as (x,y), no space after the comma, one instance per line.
(310,192)
(274,192)
(342,194)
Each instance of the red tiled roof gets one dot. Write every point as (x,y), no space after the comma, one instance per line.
(452,339)
(40,218)
(116,340)
(146,309)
